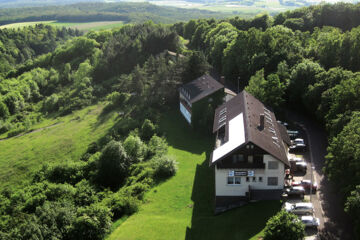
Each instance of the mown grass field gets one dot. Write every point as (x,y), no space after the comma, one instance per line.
(182,207)
(84,26)
(66,141)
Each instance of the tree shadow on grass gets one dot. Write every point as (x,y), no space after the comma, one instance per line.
(182,135)
(240,223)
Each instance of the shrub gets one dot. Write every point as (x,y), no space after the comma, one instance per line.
(92,223)
(56,191)
(135,148)
(4,127)
(92,148)
(65,172)
(284,226)
(91,167)
(157,146)
(56,219)
(113,165)
(4,111)
(121,204)
(51,103)
(148,129)
(118,99)
(85,193)
(137,189)
(164,166)
(141,173)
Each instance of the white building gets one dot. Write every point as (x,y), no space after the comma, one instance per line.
(250,155)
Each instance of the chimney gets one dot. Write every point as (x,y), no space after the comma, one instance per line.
(222,80)
(262,122)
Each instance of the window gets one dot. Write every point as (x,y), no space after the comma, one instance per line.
(258,159)
(238,158)
(234,180)
(273,165)
(254,179)
(250,159)
(247,179)
(260,179)
(272,181)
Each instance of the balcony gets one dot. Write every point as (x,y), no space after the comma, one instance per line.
(246,165)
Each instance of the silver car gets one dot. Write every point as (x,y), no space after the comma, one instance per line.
(302,208)
(310,221)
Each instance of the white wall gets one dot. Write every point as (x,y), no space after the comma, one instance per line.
(223,189)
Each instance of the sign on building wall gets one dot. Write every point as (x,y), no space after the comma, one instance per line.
(250,173)
(233,173)
(240,173)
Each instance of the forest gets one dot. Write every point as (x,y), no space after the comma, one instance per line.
(97,11)
(47,71)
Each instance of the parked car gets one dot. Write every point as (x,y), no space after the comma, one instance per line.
(302,208)
(306,184)
(297,159)
(297,191)
(300,147)
(310,221)
(298,166)
(293,134)
(297,141)
(283,123)
(301,166)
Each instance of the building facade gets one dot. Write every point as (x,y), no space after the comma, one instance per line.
(250,155)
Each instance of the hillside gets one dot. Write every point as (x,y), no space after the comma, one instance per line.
(95,142)
(56,140)
(91,12)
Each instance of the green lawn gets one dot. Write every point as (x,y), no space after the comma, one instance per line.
(20,156)
(182,207)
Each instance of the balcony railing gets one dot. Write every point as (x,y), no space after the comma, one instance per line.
(241,165)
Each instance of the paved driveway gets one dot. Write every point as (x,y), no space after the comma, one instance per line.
(327,201)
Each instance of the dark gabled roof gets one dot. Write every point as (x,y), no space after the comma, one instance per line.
(200,88)
(269,139)
(284,134)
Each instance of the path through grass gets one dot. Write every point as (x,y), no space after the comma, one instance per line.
(182,207)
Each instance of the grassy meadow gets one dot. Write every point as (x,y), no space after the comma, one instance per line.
(182,207)
(65,141)
(83,26)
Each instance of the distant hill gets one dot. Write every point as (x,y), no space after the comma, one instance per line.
(85,12)
(37,3)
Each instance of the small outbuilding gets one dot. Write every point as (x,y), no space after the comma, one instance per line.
(199,98)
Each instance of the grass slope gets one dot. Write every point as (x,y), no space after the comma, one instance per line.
(66,141)
(182,207)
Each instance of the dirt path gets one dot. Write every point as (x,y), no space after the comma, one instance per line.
(32,131)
